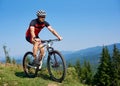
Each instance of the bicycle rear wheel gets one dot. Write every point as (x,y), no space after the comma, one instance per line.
(56,66)
(29,70)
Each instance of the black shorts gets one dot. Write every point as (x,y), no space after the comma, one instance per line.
(29,39)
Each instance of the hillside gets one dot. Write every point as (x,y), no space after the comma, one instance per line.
(91,54)
(13,75)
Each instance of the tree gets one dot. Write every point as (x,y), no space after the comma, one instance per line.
(70,65)
(115,67)
(86,73)
(8,59)
(103,74)
(78,69)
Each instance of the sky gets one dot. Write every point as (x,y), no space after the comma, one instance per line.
(81,23)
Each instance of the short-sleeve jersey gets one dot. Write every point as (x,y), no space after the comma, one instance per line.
(38,27)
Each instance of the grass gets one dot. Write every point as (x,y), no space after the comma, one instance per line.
(13,75)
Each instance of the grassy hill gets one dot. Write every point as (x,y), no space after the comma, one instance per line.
(13,75)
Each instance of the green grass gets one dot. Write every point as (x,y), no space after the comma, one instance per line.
(13,75)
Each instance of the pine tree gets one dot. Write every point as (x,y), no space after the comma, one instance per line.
(78,69)
(90,73)
(86,73)
(115,67)
(102,77)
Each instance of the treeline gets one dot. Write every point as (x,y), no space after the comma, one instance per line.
(107,72)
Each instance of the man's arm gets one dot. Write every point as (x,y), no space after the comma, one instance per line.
(32,28)
(54,32)
(32,32)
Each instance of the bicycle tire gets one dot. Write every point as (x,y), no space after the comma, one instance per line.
(25,68)
(60,57)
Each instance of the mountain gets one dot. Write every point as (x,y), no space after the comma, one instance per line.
(90,54)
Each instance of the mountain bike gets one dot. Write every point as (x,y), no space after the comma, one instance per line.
(56,64)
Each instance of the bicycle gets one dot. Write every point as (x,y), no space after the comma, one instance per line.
(56,65)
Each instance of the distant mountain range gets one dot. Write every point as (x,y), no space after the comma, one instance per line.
(90,54)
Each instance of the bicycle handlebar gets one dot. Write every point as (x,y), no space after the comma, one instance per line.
(50,40)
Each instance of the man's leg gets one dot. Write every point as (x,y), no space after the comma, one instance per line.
(35,49)
(41,54)
(41,51)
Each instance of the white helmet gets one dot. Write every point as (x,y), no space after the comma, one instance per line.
(41,13)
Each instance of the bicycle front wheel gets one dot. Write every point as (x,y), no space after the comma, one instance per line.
(29,70)
(56,66)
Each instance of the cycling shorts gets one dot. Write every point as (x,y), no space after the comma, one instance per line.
(29,39)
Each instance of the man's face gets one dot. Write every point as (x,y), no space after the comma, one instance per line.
(42,18)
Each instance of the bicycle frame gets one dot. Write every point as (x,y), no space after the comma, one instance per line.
(47,45)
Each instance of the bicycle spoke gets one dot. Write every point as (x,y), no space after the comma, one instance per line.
(56,66)
(27,65)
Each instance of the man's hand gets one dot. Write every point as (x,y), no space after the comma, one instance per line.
(36,40)
(60,38)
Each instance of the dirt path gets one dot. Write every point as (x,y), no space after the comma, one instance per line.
(52,84)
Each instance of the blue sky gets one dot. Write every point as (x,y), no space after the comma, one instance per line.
(81,23)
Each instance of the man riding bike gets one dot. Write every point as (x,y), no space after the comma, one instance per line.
(36,25)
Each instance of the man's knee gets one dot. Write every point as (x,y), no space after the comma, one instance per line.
(41,49)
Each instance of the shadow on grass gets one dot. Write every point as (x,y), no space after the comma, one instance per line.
(20,74)
(23,75)
(44,76)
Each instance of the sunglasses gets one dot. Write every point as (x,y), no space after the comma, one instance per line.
(42,16)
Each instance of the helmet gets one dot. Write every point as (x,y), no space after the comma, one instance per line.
(41,13)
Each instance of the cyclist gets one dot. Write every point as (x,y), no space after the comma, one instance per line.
(36,25)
